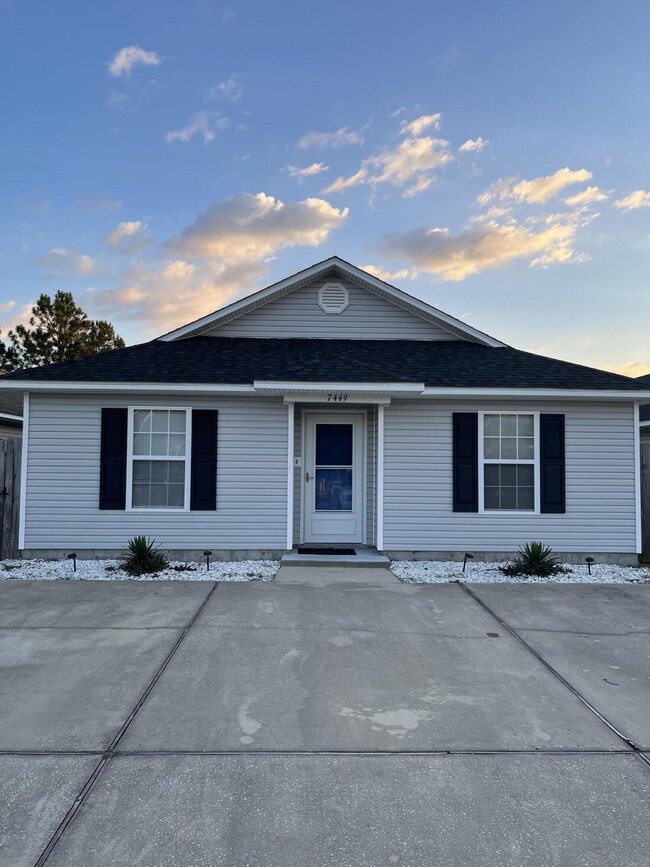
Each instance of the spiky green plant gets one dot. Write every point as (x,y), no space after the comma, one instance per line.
(534,558)
(143,557)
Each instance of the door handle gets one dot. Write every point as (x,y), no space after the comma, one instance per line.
(307,477)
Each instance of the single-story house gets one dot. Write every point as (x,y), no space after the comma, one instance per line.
(329,408)
(11,414)
(644,409)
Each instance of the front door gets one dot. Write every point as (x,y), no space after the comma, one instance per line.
(333,495)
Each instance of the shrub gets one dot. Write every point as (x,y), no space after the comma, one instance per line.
(534,558)
(143,557)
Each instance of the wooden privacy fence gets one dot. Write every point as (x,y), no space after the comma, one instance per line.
(10,452)
(645,500)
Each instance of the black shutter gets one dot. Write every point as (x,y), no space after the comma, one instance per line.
(551,452)
(203,488)
(112,466)
(465,459)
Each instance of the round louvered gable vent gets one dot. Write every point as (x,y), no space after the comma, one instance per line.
(333,297)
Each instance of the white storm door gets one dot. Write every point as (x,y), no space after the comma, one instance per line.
(333,477)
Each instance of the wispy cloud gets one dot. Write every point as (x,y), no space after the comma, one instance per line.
(307,171)
(126,58)
(535,191)
(630,368)
(390,276)
(542,241)
(128,237)
(450,58)
(635,200)
(205,124)
(474,145)
(118,100)
(99,203)
(417,127)
(66,262)
(231,89)
(337,139)
(215,259)
(587,197)
(160,297)
(412,164)
(250,227)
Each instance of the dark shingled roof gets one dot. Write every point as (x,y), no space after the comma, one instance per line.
(231,360)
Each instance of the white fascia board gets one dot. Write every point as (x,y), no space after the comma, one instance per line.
(387,388)
(6,416)
(385,290)
(644,424)
(532,393)
(162,387)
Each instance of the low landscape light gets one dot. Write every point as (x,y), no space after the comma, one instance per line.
(73,557)
(207,554)
(466,558)
(589,561)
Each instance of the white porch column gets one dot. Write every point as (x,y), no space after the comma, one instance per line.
(290,447)
(380,477)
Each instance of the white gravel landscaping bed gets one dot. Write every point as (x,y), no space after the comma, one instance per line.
(111,570)
(440,572)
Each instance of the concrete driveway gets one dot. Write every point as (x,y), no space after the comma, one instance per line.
(325,718)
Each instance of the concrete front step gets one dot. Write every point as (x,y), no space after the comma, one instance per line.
(367,557)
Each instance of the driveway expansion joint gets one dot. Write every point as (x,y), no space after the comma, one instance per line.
(634,747)
(110,751)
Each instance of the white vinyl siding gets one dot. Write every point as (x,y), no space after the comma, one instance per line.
(600,491)
(62,509)
(298,314)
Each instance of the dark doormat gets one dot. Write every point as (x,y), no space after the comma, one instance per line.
(326,552)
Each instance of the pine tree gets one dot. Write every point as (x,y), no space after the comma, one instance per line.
(58,330)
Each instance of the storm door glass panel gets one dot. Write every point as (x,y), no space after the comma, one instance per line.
(333,470)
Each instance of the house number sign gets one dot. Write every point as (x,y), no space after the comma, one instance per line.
(337,397)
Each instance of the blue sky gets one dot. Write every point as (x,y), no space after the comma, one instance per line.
(163,158)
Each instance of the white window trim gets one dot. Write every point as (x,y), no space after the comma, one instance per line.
(130,457)
(482,460)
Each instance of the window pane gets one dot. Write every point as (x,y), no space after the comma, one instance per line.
(526,475)
(177,444)
(141,444)
(159,472)
(508,447)
(491,447)
(160,421)
(526,498)
(526,449)
(508,425)
(492,474)
(177,421)
(142,420)
(333,490)
(159,444)
(509,475)
(176,496)
(176,472)
(140,499)
(158,496)
(491,498)
(508,498)
(491,425)
(525,425)
(142,471)
(334,445)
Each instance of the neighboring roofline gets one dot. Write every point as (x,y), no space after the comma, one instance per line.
(644,424)
(244,389)
(366,280)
